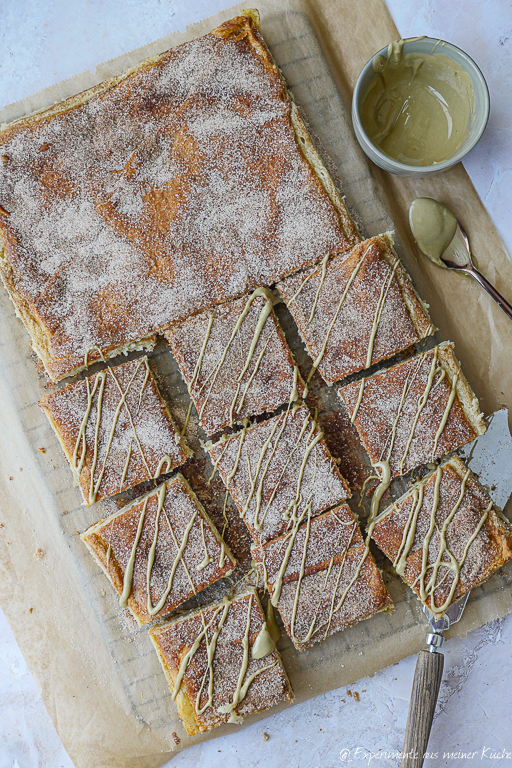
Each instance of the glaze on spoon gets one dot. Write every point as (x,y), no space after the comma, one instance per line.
(444,240)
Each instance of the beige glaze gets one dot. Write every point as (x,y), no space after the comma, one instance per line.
(263,645)
(271,624)
(428,576)
(433,227)
(418,107)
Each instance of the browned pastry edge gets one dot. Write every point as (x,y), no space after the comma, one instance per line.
(180,439)
(186,709)
(99,547)
(497,526)
(465,395)
(70,365)
(418,310)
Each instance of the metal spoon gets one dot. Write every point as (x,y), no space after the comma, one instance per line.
(430,223)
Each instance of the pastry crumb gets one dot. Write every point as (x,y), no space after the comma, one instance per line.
(175,737)
(39,553)
(265,736)
(356,696)
(43,450)
(30,610)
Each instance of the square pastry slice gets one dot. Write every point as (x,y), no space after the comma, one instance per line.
(115,429)
(356,308)
(165,540)
(221,663)
(322,577)
(416,411)
(444,536)
(235,360)
(279,471)
(178,185)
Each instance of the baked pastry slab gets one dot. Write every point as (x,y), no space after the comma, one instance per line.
(164,539)
(184,182)
(356,309)
(235,360)
(115,429)
(444,535)
(322,577)
(278,472)
(209,660)
(416,411)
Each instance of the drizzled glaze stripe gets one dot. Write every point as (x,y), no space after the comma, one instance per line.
(333,278)
(182,500)
(438,372)
(211,635)
(296,573)
(106,400)
(230,327)
(428,580)
(301,441)
(212,376)
(351,279)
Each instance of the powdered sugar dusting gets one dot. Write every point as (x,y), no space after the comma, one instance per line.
(489,550)
(382,402)
(180,187)
(280,472)
(366,596)
(266,385)
(143,435)
(267,689)
(120,531)
(349,338)
(329,535)
(321,564)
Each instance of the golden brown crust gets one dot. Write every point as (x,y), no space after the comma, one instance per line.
(391,414)
(126,187)
(356,309)
(418,310)
(212,362)
(330,580)
(463,500)
(465,394)
(183,703)
(185,539)
(173,639)
(136,439)
(278,469)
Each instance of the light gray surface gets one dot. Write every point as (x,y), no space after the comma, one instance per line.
(42,43)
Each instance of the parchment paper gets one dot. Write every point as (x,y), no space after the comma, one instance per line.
(97,671)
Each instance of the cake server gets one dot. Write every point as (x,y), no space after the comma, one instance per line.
(429,221)
(425,687)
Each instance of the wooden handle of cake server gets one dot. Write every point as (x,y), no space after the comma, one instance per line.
(425,689)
